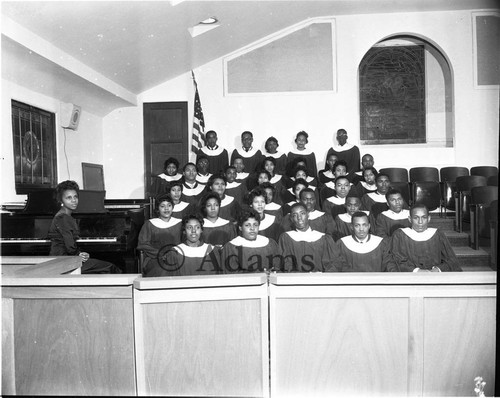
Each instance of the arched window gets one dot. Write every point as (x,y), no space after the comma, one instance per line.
(405,94)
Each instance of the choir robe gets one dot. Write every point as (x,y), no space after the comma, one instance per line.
(157,235)
(370,199)
(370,256)
(308,155)
(252,159)
(274,209)
(363,188)
(167,178)
(389,221)
(219,232)
(288,181)
(229,208)
(334,205)
(270,227)
(308,251)
(241,255)
(182,209)
(357,177)
(203,178)
(280,158)
(184,260)
(318,221)
(349,153)
(237,190)
(193,194)
(325,176)
(411,250)
(343,224)
(242,178)
(218,158)
(288,198)
(278,183)
(328,190)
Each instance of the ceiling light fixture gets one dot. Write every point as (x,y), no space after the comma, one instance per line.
(209,21)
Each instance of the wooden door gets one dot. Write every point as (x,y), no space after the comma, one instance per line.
(165,135)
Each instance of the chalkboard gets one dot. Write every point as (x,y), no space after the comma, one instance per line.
(392,95)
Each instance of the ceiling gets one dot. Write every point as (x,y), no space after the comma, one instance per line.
(132,46)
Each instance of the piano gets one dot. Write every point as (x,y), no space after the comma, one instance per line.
(109,229)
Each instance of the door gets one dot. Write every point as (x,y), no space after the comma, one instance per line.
(165,135)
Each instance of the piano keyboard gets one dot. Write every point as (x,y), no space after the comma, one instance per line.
(81,240)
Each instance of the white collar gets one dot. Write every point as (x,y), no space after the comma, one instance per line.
(377,197)
(275,178)
(244,154)
(343,148)
(218,223)
(190,251)
(313,215)
(276,155)
(305,236)
(370,244)
(190,185)
(180,206)
(266,222)
(170,178)
(308,179)
(402,215)
(330,184)
(261,241)
(273,206)
(193,191)
(303,152)
(328,174)
(419,236)
(347,218)
(336,200)
(369,187)
(212,152)
(159,223)
(227,200)
(234,184)
(241,176)
(203,179)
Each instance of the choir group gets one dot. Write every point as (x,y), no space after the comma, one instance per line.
(256,211)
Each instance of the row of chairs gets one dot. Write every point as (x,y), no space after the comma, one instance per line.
(445,174)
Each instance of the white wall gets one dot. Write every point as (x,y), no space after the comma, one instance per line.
(476,110)
(83,145)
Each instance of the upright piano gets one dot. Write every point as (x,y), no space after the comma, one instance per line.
(109,229)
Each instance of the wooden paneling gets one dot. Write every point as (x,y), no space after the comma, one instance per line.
(74,347)
(340,346)
(8,369)
(459,345)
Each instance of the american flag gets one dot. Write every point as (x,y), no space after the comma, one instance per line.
(198,135)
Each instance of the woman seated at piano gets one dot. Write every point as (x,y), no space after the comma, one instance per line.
(64,232)
(158,236)
(193,256)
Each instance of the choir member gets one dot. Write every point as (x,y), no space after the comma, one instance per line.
(192,256)
(64,232)
(277,180)
(422,249)
(375,202)
(271,151)
(171,166)
(395,217)
(362,251)
(318,220)
(326,175)
(328,189)
(367,184)
(159,234)
(367,161)
(268,225)
(252,157)
(335,204)
(181,208)
(272,207)
(343,221)
(292,195)
(301,139)
(346,151)
(306,250)
(217,156)
(234,188)
(241,175)
(229,207)
(250,252)
(216,230)
(192,190)
(203,165)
